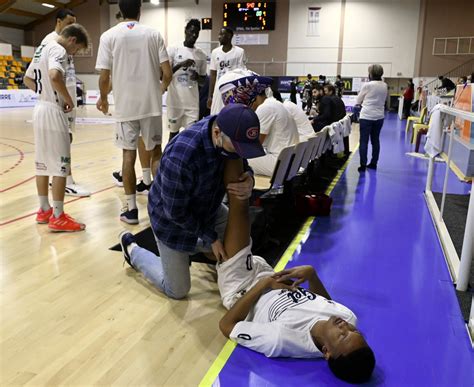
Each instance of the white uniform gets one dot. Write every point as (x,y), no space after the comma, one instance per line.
(182,100)
(70,80)
(281,131)
(50,125)
(279,324)
(305,129)
(222,62)
(133,53)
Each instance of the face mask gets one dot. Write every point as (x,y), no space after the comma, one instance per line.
(224,153)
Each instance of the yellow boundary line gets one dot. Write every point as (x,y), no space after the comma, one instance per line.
(461,176)
(229,346)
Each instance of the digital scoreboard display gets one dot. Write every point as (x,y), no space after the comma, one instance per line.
(255,16)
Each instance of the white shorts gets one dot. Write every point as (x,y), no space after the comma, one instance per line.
(150,128)
(180,118)
(52,145)
(239,274)
(264,165)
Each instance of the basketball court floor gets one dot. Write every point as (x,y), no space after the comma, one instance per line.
(72,314)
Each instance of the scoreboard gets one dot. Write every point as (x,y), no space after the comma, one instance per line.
(254,16)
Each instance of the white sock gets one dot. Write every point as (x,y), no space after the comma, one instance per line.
(147,176)
(44,203)
(69,180)
(130,247)
(131,201)
(58,208)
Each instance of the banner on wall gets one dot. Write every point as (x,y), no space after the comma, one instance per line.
(464,100)
(284,84)
(17,98)
(250,40)
(313,21)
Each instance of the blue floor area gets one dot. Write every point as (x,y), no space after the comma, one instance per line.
(378,253)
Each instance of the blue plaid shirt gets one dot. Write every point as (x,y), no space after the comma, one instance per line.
(188,189)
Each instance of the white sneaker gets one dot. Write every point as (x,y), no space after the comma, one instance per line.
(76,190)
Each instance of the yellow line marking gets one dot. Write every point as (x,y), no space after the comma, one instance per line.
(461,176)
(224,355)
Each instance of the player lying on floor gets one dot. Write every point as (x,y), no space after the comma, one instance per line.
(269,313)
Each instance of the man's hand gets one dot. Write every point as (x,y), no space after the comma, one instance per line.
(300,273)
(219,251)
(272,283)
(102,105)
(243,188)
(187,63)
(68,105)
(209,101)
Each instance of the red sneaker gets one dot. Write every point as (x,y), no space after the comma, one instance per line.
(64,223)
(42,217)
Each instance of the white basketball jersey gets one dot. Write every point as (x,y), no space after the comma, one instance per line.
(183,92)
(224,61)
(51,56)
(70,69)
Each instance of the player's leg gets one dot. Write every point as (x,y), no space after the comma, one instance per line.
(143,187)
(152,130)
(126,138)
(45,211)
(174,122)
(237,232)
(73,189)
(58,162)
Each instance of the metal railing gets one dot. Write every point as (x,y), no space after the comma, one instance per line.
(459,268)
(464,69)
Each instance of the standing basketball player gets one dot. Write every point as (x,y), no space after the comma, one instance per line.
(136,56)
(46,75)
(66,17)
(189,67)
(223,58)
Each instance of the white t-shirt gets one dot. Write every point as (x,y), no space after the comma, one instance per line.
(51,56)
(70,69)
(182,91)
(278,125)
(372,96)
(133,52)
(305,129)
(224,61)
(279,324)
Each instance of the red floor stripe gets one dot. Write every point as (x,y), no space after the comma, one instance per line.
(22,156)
(17,184)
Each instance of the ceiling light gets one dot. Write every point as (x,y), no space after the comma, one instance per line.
(155,2)
(47,5)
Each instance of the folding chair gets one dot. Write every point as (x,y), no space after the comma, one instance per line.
(300,151)
(280,172)
(313,143)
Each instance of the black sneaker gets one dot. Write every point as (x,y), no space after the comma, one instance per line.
(142,188)
(117,176)
(372,166)
(129,216)
(361,168)
(126,239)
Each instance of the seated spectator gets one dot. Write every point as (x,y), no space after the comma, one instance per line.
(270,313)
(325,115)
(446,83)
(462,80)
(316,94)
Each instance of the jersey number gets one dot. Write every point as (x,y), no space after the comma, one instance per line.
(39,86)
(249,262)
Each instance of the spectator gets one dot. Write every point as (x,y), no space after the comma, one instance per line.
(462,80)
(408,96)
(372,97)
(446,83)
(326,108)
(306,92)
(339,84)
(293,92)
